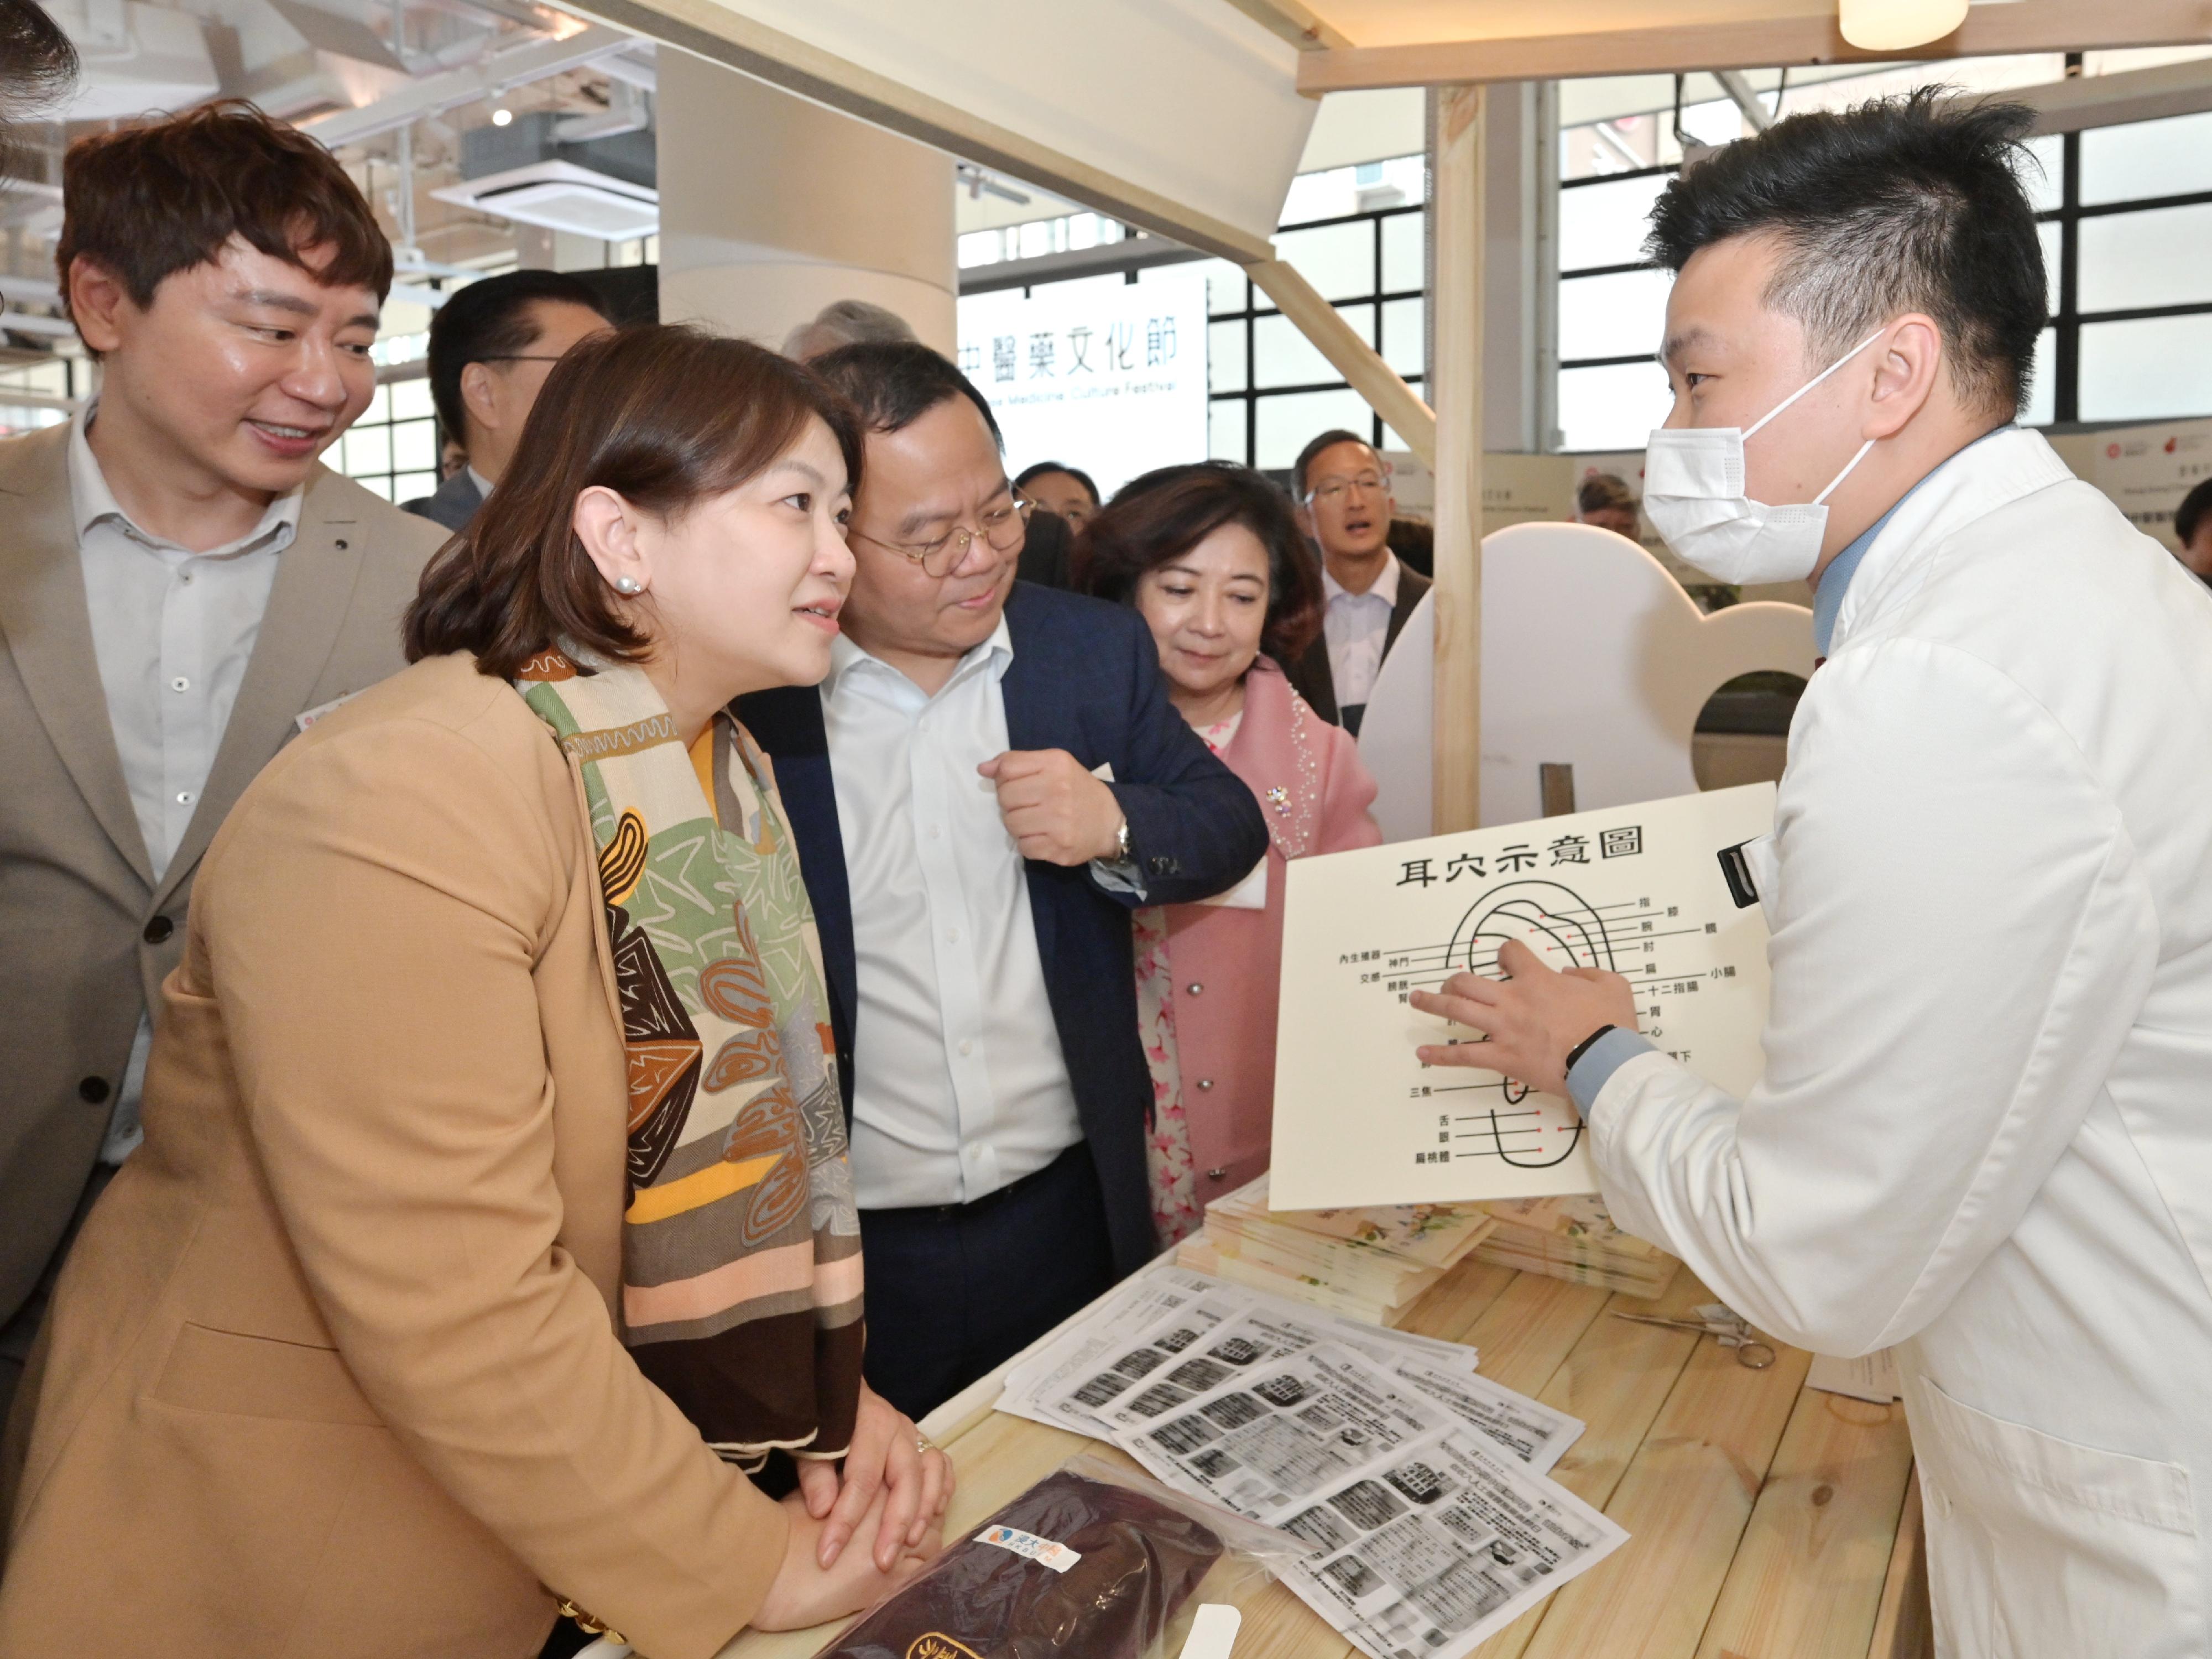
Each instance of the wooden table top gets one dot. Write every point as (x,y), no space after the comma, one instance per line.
(1767,1520)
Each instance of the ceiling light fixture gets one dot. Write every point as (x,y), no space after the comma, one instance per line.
(501,116)
(1898,25)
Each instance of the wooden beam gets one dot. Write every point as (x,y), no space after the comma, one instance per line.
(1780,41)
(1360,364)
(1294,21)
(723,36)
(1455,232)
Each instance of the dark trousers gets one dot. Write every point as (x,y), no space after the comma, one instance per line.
(955,1290)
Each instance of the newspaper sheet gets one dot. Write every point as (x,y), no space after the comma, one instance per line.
(1424,1540)
(1448,1547)
(1097,1382)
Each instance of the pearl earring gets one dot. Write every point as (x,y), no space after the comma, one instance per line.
(627,585)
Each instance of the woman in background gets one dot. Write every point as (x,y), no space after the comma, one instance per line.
(1212,557)
(493,1222)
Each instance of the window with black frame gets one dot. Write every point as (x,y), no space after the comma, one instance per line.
(1270,389)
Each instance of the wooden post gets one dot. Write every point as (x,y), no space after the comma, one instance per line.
(1456,230)
(1361,365)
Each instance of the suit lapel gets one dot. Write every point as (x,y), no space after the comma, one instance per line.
(307,607)
(48,626)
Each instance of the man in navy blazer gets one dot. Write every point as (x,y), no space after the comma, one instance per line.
(989,780)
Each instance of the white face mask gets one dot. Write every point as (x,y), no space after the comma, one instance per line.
(1693,490)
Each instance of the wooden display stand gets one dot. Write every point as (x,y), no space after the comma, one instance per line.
(1769,1521)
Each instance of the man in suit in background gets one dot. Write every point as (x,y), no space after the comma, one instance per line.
(1343,496)
(491,347)
(989,780)
(182,587)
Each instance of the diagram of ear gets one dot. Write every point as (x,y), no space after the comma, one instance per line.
(1565,931)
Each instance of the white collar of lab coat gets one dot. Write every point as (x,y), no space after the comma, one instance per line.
(1975,483)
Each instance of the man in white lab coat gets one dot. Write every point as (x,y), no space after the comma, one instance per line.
(1985,1134)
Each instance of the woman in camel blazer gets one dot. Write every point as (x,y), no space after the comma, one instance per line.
(1213,558)
(439,1295)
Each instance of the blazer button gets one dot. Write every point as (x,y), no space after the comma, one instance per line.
(1196,988)
(158,930)
(1217,1175)
(92,1091)
(1205,1083)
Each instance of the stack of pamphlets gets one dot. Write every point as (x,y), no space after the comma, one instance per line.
(1368,1264)
(1573,1238)
(1420,1489)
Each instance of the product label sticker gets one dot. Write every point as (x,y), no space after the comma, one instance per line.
(938,1646)
(1043,1551)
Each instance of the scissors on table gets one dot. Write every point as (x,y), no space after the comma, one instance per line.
(1716,1320)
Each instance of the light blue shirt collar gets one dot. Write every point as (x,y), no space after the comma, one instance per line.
(1828,598)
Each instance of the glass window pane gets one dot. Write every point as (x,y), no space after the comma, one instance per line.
(408,485)
(1224,356)
(367,450)
(1612,408)
(2049,235)
(1337,260)
(2172,157)
(2042,394)
(2046,185)
(1616,316)
(2155,258)
(1405,331)
(378,407)
(1287,423)
(1404,260)
(1227,288)
(415,446)
(2150,369)
(411,399)
(1225,424)
(379,485)
(1283,356)
(1605,224)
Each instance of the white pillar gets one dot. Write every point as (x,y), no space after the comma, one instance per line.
(771,207)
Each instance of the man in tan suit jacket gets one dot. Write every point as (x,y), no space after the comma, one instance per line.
(181,582)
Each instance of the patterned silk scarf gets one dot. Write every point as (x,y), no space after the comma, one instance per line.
(741,1245)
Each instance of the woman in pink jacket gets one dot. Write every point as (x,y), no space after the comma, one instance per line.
(1211,556)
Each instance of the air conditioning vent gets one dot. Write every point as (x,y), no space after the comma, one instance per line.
(561,196)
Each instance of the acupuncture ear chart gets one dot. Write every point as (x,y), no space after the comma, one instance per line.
(1636,891)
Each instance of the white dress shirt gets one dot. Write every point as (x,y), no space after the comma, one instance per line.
(172,632)
(1356,627)
(959,1085)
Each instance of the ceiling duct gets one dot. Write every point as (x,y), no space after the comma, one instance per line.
(136,58)
(524,172)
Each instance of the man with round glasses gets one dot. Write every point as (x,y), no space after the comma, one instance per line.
(988,782)
(1344,502)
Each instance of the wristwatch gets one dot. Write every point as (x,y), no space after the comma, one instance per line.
(1585,1046)
(1121,842)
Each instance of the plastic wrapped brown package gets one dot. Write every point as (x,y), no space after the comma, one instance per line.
(1139,1554)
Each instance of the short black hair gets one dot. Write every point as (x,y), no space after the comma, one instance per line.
(2191,511)
(488,318)
(1075,472)
(894,383)
(1909,203)
(38,63)
(1307,456)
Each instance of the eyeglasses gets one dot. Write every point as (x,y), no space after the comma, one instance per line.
(999,529)
(1336,488)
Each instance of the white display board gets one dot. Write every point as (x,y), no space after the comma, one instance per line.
(1636,890)
(1592,657)
(1107,376)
